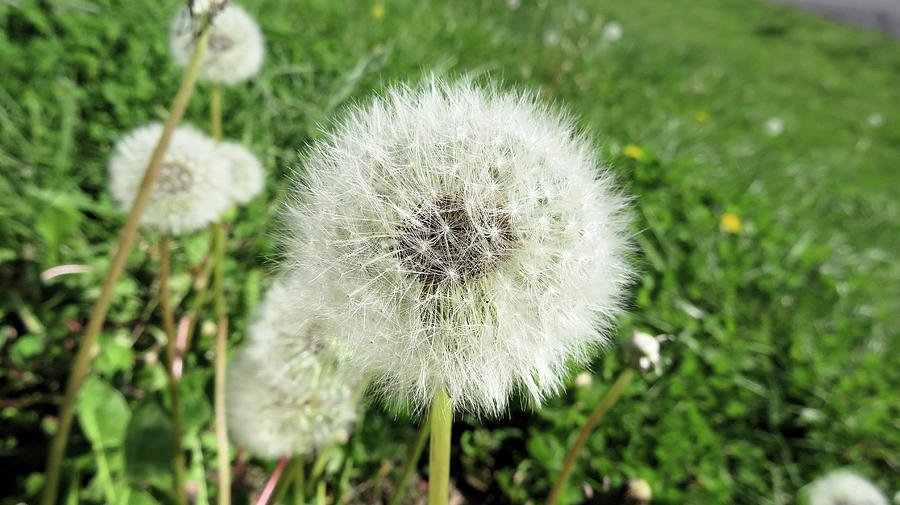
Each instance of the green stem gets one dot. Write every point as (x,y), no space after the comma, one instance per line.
(82,364)
(318,467)
(201,284)
(411,461)
(299,495)
(221,340)
(439,466)
(608,400)
(171,355)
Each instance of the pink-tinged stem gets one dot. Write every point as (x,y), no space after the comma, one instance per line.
(56,271)
(180,343)
(273,480)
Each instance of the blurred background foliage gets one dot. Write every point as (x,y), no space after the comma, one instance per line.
(783,361)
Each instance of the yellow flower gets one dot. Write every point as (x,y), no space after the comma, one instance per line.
(633,151)
(701,116)
(377,11)
(730,223)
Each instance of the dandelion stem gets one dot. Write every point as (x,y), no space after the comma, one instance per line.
(608,400)
(411,461)
(439,466)
(318,467)
(270,484)
(202,284)
(171,354)
(221,340)
(82,364)
(299,495)
(215,111)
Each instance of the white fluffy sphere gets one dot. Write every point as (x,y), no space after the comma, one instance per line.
(843,487)
(462,238)
(235,51)
(193,188)
(246,171)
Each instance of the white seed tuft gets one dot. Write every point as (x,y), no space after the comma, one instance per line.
(843,487)
(193,187)
(246,171)
(462,238)
(235,50)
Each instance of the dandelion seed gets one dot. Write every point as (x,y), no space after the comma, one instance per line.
(730,223)
(193,187)
(876,120)
(526,256)
(774,127)
(634,152)
(843,487)
(612,32)
(245,169)
(235,50)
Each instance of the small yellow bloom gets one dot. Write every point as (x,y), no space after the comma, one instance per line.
(701,117)
(633,151)
(730,223)
(377,11)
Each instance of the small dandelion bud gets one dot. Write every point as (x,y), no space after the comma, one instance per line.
(843,487)
(463,239)
(246,171)
(235,50)
(638,491)
(192,189)
(642,351)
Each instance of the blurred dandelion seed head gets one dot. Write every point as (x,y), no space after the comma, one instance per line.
(460,237)
(234,52)
(285,393)
(193,187)
(843,487)
(245,169)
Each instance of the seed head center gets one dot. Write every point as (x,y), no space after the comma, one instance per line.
(174,178)
(448,241)
(220,42)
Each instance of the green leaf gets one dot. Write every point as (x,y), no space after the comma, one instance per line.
(103,414)
(25,348)
(149,446)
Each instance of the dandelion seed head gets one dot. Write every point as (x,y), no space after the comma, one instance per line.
(843,487)
(234,52)
(245,169)
(462,238)
(192,188)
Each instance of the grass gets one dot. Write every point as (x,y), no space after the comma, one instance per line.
(783,362)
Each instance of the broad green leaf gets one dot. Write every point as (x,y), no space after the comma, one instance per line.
(148,446)
(103,414)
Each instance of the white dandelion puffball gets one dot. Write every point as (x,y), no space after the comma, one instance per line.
(193,188)
(246,171)
(843,487)
(235,50)
(462,238)
(272,415)
(290,340)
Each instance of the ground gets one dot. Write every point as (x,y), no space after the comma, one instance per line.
(760,144)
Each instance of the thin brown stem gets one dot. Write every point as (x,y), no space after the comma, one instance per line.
(171,353)
(81,367)
(220,357)
(608,400)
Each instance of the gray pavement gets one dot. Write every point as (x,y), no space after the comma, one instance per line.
(883,15)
